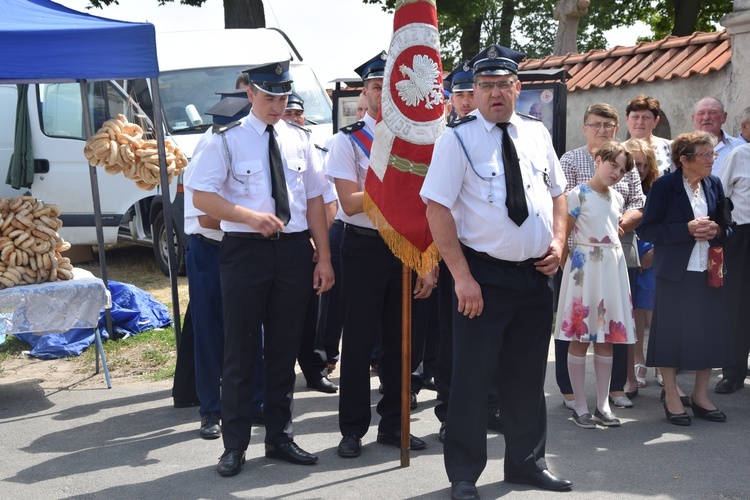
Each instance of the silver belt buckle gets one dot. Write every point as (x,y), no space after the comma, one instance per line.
(275,236)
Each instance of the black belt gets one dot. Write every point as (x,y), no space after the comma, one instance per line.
(206,239)
(364,231)
(489,258)
(337,222)
(301,235)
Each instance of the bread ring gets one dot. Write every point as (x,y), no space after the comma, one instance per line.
(27,242)
(63,247)
(8,220)
(7,282)
(64,274)
(21,238)
(13,258)
(42,211)
(12,274)
(5,254)
(113,150)
(16,203)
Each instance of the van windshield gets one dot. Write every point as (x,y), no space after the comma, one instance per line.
(187,94)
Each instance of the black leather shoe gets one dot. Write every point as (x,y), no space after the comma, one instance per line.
(350,447)
(291,453)
(494,423)
(441,432)
(324,385)
(210,428)
(727,386)
(413,402)
(677,418)
(464,490)
(543,479)
(429,384)
(710,415)
(394,438)
(230,463)
(685,400)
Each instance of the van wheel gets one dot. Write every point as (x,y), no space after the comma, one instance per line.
(161,251)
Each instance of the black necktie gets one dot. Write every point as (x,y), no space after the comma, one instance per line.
(515,197)
(278,180)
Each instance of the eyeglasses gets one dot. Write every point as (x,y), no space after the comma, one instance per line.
(502,85)
(599,126)
(708,155)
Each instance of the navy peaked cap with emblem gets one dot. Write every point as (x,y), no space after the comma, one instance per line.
(295,102)
(461,79)
(229,109)
(232,93)
(374,68)
(271,78)
(497,60)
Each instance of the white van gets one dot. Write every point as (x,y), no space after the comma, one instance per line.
(193,67)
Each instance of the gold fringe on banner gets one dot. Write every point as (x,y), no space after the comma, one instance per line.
(402,248)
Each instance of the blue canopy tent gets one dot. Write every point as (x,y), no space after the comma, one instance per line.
(44,42)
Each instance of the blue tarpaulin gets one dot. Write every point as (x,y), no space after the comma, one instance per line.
(133,311)
(44,41)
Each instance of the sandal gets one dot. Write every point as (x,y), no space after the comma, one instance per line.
(659,378)
(640,374)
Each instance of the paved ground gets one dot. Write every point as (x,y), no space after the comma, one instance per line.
(130,443)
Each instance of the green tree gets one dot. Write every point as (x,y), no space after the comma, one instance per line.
(237,13)
(468,25)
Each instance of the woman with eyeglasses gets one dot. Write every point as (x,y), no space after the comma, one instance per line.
(642,117)
(600,125)
(686,218)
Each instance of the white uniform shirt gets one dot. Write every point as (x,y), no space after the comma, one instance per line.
(466,191)
(343,163)
(191,222)
(248,182)
(726,144)
(735,179)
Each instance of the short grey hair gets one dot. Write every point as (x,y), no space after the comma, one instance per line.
(746,115)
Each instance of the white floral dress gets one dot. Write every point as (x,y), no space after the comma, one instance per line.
(595,303)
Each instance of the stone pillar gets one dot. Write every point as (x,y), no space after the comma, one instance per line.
(738,26)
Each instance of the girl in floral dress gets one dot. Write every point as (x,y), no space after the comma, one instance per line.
(595,303)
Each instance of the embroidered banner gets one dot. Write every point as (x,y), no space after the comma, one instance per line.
(410,120)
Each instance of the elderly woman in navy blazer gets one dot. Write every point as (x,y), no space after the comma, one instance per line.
(683,218)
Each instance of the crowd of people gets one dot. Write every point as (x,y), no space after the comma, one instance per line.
(629,242)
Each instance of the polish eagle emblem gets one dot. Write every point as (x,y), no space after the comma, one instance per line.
(422,83)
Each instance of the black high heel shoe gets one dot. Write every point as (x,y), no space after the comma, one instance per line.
(710,415)
(685,400)
(677,418)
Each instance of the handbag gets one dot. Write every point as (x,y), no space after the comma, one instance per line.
(629,244)
(724,209)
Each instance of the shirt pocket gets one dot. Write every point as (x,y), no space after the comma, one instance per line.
(294,173)
(491,181)
(251,175)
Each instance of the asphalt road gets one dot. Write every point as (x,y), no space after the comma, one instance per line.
(129,442)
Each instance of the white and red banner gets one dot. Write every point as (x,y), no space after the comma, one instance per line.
(410,120)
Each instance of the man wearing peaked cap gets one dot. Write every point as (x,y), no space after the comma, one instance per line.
(295,109)
(205,337)
(262,178)
(460,83)
(273,79)
(495,204)
(371,285)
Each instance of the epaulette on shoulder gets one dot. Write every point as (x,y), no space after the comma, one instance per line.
(322,148)
(461,121)
(529,117)
(295,124)
(353,127)
(228,126)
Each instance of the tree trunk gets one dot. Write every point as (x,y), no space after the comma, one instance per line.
(471,32)
(244,14)
(506,21)
(685,16)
